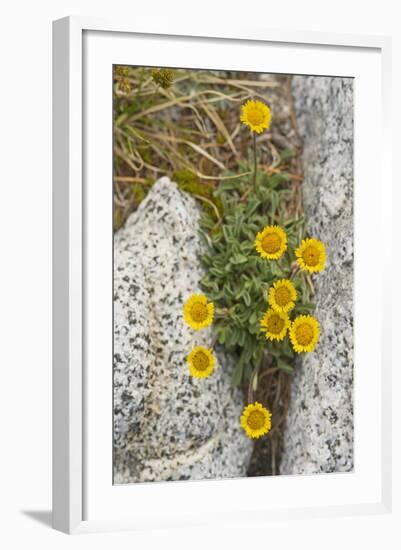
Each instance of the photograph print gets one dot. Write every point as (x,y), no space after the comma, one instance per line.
(232,274)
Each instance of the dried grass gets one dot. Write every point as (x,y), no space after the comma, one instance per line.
(194,126)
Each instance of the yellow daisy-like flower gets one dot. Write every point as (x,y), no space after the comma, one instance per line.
(256,420)
(311,255)
(274,324)
(201,362)
(271,242)
(198,312)
(282,295)
(304,333)
(256,115)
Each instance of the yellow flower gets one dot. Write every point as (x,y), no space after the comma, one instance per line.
(256,420)
(274,324)
(271,243)
(311,255)
(256,115)
(201,362)
(282,295)
(198,312)
(304,333)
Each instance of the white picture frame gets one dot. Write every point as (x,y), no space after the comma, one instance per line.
(74,477)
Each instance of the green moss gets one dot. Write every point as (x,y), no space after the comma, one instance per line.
(117,219)
(138,193)
(184,177)
(146,153)
(189,182)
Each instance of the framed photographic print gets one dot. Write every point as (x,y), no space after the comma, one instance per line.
(219,206)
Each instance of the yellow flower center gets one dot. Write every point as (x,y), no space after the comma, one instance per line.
(255,115)
(271,243)
(311,256)
(304,334)
(282,296)
(256,420)
(199,312)
(275,324)
(200,360)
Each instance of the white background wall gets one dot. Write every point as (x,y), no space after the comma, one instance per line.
(25,289)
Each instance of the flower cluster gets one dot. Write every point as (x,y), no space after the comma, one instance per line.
(304,330)
(198,314)
(237,281)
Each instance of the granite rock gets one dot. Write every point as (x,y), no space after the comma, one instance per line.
(319,435)
(167,425)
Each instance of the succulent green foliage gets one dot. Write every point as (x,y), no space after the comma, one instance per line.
(237,279)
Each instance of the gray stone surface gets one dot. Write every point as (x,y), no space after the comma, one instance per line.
(319,435)
(167,425)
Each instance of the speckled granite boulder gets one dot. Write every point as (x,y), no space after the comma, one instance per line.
(168,425)
(319,436)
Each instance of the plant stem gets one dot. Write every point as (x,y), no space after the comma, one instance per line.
(254,160)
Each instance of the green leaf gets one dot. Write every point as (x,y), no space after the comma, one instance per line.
(239,259)
(246,246)
(284,366)
(207,222)
(238,295)
(227,185)
(277,179)
(275,269)
(236,377)
(217,272)
(206,282)
(253,205)
(274,202)
(222,336)
(242,337)
(253,318)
